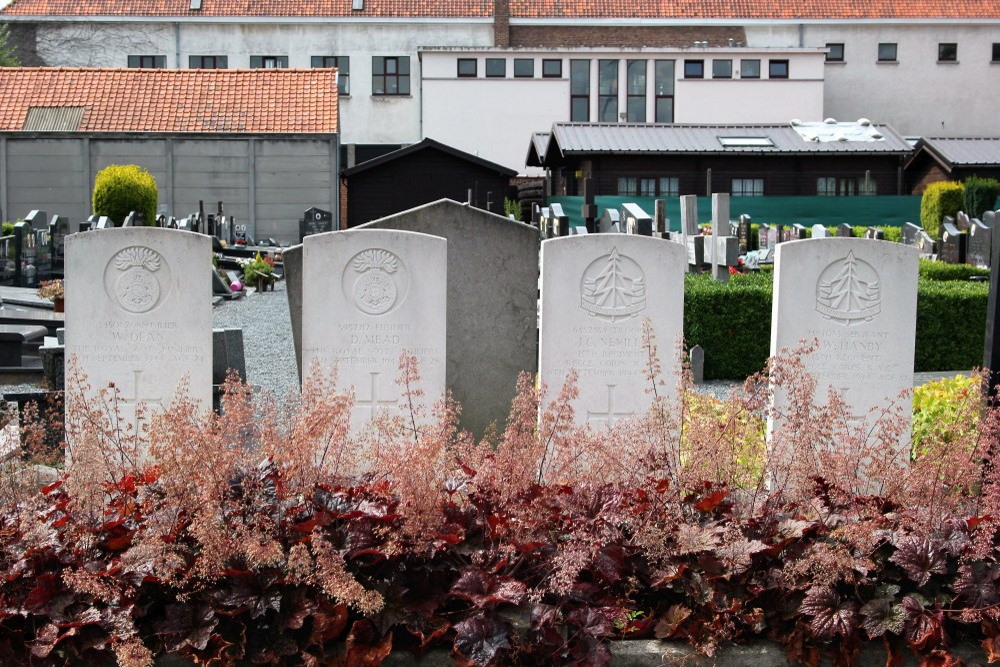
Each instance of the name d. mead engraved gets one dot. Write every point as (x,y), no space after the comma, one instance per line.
(848,291)
(613,287)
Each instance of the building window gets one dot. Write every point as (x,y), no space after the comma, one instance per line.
(208,62)
(832,186)
(996,52)
(670,186)
(947,52)
(694,69)
(147,62)
(579,90)
(647,187)
(887,52)
(664,86)
(524,67)
(627,186)
(607,91)
(722,69)
(777,69)
(390,75)
(750,69)
(748,187)
(551,69)
(467,67)
(635,101)
(835,53)
(496,67)
(268,62)
(343,65)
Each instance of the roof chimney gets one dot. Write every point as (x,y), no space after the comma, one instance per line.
(501,23)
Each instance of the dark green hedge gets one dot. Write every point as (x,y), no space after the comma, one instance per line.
(941,271)
(733,322)
(951,324)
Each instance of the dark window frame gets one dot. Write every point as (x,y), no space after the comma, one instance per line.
(388,70)
(524,68)
(744,63)
(778,69)
(467,68)
(579,95)
(719,70)
(343,65)
(996,53)
(661,82)
(491,68)
(265,62)
(547,63)
(607,90)
(635,96)
(147,62)
(694,68)
(947,52)
(835,52)
(208,62)
(888,52)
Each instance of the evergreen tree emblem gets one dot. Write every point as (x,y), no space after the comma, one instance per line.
(849,291)
(613,287)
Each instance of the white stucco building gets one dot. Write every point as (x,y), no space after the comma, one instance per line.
(926,70)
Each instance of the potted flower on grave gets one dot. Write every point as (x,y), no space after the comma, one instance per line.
(53,291)
(259,272)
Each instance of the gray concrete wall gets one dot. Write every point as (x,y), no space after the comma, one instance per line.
(265,182)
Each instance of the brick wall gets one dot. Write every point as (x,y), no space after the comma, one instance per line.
(501,22)
(343,204)
(621,36)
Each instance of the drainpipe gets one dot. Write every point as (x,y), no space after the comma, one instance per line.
(177,45)
(802,35)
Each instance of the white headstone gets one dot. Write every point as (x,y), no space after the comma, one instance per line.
(596,293)
(139,314)
(858,298)
(820,232)
(368,295)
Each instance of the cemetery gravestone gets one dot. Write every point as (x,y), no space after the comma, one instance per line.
(798,232)
(104,222)
(367,296)
(558,221)
(492,303)
(820,232)
(660,223)
(597,292)
(962,221)
(610,221)
(745,229)
(909,233)
(953,244)
(138,314)
(588,211)
(637,221)
(544,222)
(979,244)
(315,221)
(37,219)
(724,248)
(129,220)
(693,241)
(873,233)
(844,231)
(925,245)
(859,300)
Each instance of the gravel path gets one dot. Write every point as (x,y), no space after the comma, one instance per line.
(267,338)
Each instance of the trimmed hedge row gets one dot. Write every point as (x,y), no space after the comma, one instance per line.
(732,323)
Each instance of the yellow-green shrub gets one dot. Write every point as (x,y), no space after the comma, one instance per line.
(121,188)
(945,411)
(940,199)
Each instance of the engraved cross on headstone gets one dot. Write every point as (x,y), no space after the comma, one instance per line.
(373,402)
(136,398)
(609,414)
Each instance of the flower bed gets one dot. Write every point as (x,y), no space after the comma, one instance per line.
(269,537)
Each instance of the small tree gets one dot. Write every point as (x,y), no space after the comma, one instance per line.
(8,54)
(940,199)
(980,195)
(121,188)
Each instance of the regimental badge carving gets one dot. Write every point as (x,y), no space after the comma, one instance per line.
(138,285)
(849,291)
(613,288)
(377,281)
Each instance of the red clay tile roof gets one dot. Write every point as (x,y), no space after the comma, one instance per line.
(755,9)
(671,9)
(257,101)
(275,8)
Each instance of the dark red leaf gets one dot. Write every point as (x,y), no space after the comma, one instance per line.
(920,558)
(46,586)
(670,622)
(51,487)
(832,615)
(365,647)
(711,501)
(329,622)
(482,589)
(479,639)
(45,640)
